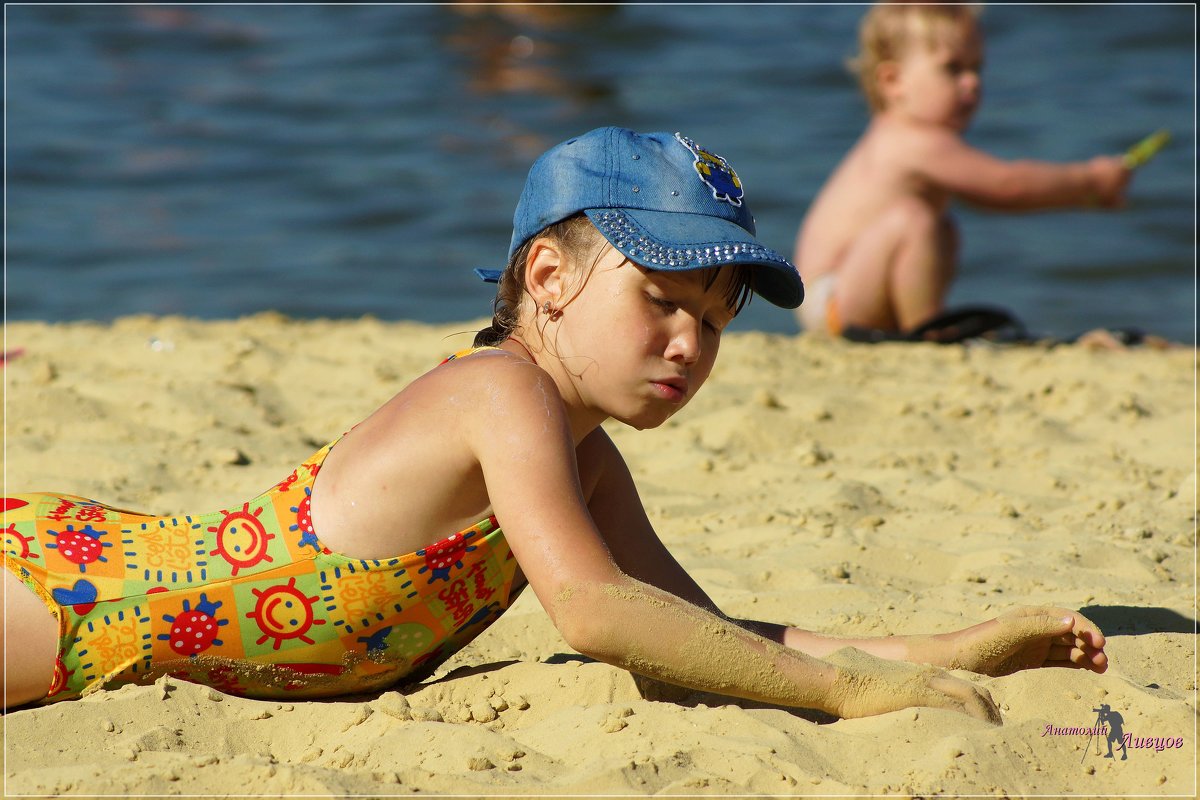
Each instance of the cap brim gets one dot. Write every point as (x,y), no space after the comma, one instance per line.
(669,240)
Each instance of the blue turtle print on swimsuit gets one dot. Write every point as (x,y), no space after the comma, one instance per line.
(715,171)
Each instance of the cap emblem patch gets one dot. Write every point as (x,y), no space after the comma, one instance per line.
(715,172)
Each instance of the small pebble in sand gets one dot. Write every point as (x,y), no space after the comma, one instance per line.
(459,714)
(479,763)
(767,399)
(482,712)
(231,456)
(44,373)
(613,724)
(360,716)
(423,714)
(395,705)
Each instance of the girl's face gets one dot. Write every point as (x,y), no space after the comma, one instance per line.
(939,84)
(637,344)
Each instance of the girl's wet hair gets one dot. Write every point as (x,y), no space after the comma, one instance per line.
(579,237)
(890,28)
(740,288)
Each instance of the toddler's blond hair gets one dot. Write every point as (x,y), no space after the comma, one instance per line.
(889,29)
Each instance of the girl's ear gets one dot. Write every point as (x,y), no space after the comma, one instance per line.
(545,272)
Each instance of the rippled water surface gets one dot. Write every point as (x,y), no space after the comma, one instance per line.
(342,160)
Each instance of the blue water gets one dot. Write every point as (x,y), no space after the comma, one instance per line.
(345,160)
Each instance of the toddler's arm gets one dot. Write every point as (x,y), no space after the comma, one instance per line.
(942,158)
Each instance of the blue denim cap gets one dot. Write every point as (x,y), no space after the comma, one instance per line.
(660,199)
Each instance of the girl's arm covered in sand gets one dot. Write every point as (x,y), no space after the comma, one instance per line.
(1020,639)
(943,159)
(520,435)
(717,649)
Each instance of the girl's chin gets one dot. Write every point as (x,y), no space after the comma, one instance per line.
(646,420)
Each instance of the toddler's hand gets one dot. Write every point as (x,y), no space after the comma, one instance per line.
(867,685)
(1109,177)
(1030,637)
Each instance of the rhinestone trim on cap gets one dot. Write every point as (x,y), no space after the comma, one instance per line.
(630,239)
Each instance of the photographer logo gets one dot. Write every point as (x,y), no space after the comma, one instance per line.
(1109,729)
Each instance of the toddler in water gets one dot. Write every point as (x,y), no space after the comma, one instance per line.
(630,254)
(878,247)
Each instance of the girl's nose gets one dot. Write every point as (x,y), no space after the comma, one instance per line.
(684,346)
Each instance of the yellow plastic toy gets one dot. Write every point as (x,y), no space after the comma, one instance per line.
(1146,149)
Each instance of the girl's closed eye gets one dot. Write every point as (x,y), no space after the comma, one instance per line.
(713,324)
(667,306)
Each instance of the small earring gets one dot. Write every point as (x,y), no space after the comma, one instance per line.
(546,307)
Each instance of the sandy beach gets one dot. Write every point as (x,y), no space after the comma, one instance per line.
(843,488)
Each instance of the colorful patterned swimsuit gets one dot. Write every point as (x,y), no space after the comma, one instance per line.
(247,599)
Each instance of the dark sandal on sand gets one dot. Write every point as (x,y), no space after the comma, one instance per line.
(952,327)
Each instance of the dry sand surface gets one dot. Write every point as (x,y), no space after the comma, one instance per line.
(847,489)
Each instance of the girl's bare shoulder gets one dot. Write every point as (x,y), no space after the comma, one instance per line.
(489,391)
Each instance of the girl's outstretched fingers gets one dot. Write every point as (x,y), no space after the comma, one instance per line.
(1087,644)
(1030,637)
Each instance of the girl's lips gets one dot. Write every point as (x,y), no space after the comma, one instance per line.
(671,389)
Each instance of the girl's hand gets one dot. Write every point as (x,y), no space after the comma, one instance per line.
(866,685)
(1029,637)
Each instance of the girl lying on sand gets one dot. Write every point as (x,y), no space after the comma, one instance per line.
(630,254)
